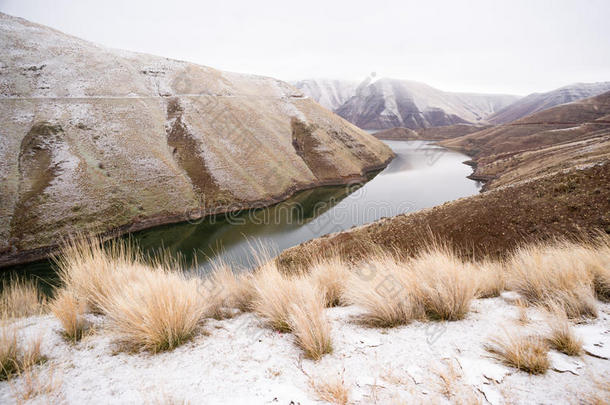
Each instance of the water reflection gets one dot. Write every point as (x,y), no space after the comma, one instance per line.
(421,175)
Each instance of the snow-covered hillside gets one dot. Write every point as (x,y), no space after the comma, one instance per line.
(387,103)
(541,101)
(328,92)
(96,138)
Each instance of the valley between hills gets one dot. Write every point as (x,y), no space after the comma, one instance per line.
(500,296)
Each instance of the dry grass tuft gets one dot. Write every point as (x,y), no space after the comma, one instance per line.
(522,315)
(31,354)
(34,383)
(384,287)
(444,284)
(489,277)
(158,311)
(151,306)
(435,285)
(274,293)
(330,275)
(562,336)
(10,352)
(308,322)
(449,379)
(561,273)
(333,390)
(527,353)
(93,270)
(71,313)
(15,357)
(225,290)
(21,298)
(598,263)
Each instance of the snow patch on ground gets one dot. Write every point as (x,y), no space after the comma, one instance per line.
(242,361)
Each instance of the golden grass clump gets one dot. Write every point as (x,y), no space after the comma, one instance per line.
(70,310)
(274,293)
(151,306)
(93,270)
(527,353)
(333,390)
(547,274)
(9,352)
(598,263)
(225,290)
(444,284)
(435,285)
(20,298)
(15,357)
(561,336)
(308,322)
(330,275)
(384,288)
(158,311)
(489,277)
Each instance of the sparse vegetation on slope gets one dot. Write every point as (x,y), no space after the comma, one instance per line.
(555,274)
(527,353)
(561,336)
(162,307)
(435,285)
(309,324)
(70,310)
(20,298)
(17,357)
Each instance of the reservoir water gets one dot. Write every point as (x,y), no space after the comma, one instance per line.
(421,175)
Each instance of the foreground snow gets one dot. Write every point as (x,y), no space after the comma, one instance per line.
(242,361)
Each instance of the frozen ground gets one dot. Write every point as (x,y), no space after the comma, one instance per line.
(239,360)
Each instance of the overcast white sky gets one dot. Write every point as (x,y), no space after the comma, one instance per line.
(516,46)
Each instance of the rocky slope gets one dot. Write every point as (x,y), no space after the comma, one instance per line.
(328,93)
(541,101)
(98,139)
(388,103)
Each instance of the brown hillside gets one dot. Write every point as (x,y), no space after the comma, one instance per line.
(564,123)
(397,134)
(565,204)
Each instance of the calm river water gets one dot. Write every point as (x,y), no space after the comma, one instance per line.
(421,175)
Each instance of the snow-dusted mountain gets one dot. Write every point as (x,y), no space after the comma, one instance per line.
(99,139)
(328,92)
(541,101)
(388,103)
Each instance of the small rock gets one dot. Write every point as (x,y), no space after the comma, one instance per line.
(511,297)
(562,363)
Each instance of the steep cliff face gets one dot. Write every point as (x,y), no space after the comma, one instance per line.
(98,139)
